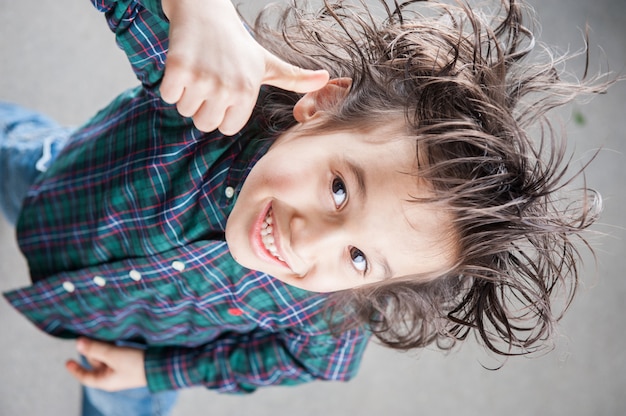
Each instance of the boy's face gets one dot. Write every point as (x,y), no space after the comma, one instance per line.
(331,211)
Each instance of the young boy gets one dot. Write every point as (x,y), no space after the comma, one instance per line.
(407,183)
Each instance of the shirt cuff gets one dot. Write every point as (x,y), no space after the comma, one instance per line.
(169,368)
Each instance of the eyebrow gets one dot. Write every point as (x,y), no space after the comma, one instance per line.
(359,175)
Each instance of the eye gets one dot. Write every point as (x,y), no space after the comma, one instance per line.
(338,190)
(358,259)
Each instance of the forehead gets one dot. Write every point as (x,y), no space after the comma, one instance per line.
(414,236)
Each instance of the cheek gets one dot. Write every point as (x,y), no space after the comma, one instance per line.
(286,175)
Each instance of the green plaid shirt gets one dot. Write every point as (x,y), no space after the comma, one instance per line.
(124,237)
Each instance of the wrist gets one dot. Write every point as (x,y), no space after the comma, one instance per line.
(172,7)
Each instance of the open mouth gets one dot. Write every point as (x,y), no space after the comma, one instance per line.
(267,235)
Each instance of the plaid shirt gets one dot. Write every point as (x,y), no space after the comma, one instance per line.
(124,237)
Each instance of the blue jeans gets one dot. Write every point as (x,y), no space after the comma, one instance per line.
(130,402)
(29,142)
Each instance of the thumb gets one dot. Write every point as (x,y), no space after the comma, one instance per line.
(281,74)
(93,350)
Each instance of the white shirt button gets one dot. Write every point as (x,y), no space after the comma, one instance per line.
(69,287)
(229,192)
(99,281)
(178,266)
(135,275)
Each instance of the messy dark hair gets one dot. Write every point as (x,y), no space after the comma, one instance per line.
(470,98)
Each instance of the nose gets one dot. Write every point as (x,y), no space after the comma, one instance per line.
(313,236)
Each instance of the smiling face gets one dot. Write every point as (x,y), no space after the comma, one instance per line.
(332,211)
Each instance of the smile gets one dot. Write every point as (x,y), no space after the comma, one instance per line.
(267,236)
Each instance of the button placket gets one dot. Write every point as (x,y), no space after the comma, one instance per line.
(99,281)
(135,275)
(69,287)
(179,266)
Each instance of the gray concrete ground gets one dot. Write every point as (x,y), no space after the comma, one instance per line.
(59,58)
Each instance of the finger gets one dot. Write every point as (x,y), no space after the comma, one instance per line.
(75,369)
(96,352)
(95,364)
(171,90)
(172,85)
(292,78)
(237,116)
(209,116)
(90,378)
(189,103)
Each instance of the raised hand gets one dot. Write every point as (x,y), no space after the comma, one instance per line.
(215,68)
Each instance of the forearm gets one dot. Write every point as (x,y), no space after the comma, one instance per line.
(141,31)
(214,69)
(220,10)
(241,363)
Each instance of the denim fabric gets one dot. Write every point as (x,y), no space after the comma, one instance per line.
(28,143)
(131,402)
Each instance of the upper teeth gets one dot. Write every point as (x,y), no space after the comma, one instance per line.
(267,235)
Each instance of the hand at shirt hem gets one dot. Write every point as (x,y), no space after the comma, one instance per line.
(112,368)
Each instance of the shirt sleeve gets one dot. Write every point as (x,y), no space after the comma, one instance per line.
(141,31)
(241,363)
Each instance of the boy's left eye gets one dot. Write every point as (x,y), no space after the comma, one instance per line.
(338,189)
(358,259)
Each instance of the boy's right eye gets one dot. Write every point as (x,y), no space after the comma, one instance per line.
(338,189)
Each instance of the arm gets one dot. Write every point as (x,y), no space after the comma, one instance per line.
(237,364)
(243,362)
(214,67)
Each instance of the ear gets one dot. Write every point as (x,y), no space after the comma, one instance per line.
(315,103)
